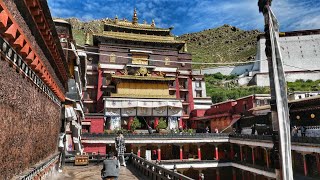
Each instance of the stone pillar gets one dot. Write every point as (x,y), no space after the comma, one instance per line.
(241,154)
(130,122)
(156,122)
(159,153)
(217,152)
(252,152)
(139,152)
(199,152)
(181,152)
(217,174)
(231,152)
(267,158)
(234,174)
(305,168)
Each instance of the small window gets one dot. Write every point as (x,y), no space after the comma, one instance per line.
(198,94)
(198,84)
(167,61)
(112,58)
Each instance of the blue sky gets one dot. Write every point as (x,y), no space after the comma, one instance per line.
(188,16)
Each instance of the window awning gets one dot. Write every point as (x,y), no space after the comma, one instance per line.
(146,103)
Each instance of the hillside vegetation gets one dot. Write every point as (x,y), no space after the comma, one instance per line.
(221,88)
(223,44)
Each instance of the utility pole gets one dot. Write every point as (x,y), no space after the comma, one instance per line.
(281,151)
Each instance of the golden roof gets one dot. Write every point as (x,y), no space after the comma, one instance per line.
(143,78)
(144,96)
(134,23)
(139,37)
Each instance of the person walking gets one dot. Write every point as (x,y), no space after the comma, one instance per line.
(121,148)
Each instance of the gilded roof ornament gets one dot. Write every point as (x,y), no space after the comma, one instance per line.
(153,24)
(135,17)
(116,19)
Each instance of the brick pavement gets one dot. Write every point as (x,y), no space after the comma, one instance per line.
(92,172)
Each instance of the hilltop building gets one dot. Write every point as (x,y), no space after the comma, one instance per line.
(139,70)
(300,52)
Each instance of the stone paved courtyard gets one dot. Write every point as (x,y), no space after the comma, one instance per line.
(92,172)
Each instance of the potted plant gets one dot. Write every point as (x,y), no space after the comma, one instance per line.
(135,124)
(161,127)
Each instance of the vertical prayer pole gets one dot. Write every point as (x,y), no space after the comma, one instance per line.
(279,103)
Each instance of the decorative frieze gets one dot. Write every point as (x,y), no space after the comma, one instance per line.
(22,67)
(12,34)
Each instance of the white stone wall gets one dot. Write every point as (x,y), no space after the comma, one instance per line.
(227,70)
(263,79)
(299,51)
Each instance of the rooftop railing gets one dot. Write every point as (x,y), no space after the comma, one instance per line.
(155,171)
(299,139)
(160,136)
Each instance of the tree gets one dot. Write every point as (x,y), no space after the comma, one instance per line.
(162,124)
(135,124)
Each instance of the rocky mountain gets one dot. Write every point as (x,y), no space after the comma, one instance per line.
(223,44)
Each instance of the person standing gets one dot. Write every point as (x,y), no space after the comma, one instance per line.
(216,130)
(303,131)
(120,148)
(294,131)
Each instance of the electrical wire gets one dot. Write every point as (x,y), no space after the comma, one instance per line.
(157,60)
(183,62)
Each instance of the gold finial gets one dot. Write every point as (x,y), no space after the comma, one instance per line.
(89,32)
(116,19)
(144,22)
(135,17)
(87,42)
(185,47)
(153,24)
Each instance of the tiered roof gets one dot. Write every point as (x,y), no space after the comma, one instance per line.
(133,31)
